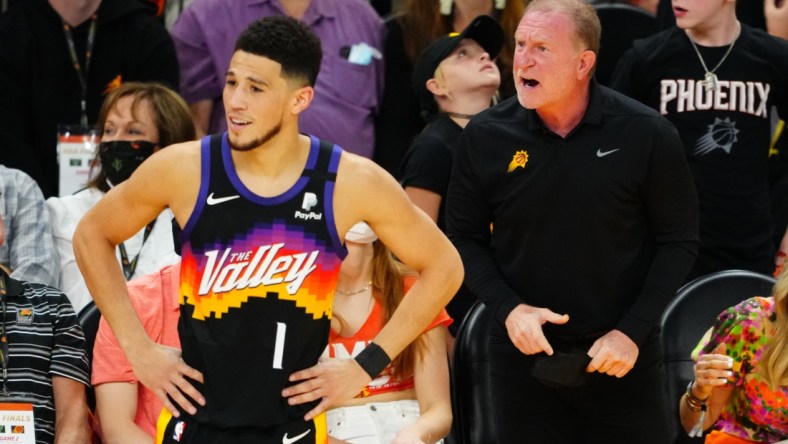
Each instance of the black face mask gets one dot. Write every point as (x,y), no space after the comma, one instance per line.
(120,158)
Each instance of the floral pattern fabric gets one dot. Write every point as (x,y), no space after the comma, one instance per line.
(754,411)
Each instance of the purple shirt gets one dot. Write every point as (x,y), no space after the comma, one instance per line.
(346,94)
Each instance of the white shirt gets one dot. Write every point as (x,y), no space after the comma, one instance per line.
(66,212)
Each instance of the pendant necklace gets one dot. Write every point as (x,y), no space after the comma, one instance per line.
(352,292)
(710,78)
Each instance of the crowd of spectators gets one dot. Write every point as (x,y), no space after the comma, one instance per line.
(432,91)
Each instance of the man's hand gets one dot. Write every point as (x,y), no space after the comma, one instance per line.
(333,380)
(161,369)
(524,325)
(613,354)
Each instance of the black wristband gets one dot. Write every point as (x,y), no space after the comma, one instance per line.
(373,360)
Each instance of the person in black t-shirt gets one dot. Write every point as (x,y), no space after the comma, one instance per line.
(594,227)
(58,60)
(457,78)
(717,79)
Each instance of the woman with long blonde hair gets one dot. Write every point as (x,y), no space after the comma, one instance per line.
(741,374)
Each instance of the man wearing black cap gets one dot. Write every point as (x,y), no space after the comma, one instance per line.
(455,77)
(594,219)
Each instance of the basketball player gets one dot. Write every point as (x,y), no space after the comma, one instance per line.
(263,210)
(717,80)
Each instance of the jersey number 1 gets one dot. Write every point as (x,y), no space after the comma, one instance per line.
(279,345)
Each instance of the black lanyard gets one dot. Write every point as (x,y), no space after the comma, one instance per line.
(3,337)
(88,54)
(129,267)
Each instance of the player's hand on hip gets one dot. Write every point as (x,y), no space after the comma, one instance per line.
(161,369)
(332,381)
(524,325)
(613,354)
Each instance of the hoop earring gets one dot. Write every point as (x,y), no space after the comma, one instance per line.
(445,6)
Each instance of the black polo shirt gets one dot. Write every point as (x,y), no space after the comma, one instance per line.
(601,225)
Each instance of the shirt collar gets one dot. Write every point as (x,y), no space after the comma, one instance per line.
(592,116)
(13,287)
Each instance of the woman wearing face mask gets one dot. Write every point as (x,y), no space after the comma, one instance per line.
(135,121)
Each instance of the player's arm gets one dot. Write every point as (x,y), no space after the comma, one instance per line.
(168,178)
(366,192)
(410,235)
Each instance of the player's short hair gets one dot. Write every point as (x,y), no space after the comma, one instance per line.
(286,41)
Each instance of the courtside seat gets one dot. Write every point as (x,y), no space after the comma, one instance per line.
(89,318)
(471,393)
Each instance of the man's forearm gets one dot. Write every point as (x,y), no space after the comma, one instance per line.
(73,430)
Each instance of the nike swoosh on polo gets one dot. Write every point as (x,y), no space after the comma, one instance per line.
(286,440)
(217,200)
(600,153)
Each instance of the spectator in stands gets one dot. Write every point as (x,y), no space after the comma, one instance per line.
(741,374)
(43,361)
(409,401)
(594,227)
(28,249)
(58,59)
(351,73)
(127,410)
(716,79)
(136,120)
(454,78)
(411,29)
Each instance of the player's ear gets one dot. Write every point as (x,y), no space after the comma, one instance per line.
(301,99)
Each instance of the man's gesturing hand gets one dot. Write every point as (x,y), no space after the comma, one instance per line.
(524,325)
(613,354)
(333,380)
(161,369)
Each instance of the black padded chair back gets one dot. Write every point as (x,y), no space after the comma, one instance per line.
(89,318)
(693,311)
(621,25)
(471,393)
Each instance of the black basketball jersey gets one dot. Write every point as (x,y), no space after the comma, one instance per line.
(257,281)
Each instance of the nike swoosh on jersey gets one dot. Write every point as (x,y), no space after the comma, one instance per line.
(286,440)
(217,200)
(600,153)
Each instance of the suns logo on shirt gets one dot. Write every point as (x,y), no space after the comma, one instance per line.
(519,159)
(24,316)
